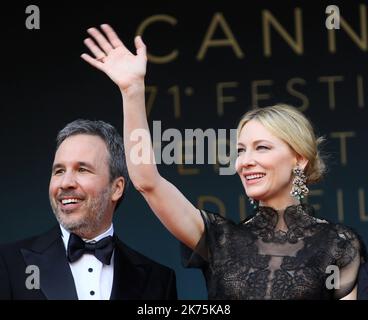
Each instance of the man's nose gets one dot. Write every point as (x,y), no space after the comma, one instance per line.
(68,181)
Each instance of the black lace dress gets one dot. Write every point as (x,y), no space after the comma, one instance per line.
(311,259)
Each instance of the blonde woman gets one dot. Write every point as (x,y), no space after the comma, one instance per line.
(283,252)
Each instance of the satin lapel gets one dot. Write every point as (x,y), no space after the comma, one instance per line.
(130,276)
(48,253)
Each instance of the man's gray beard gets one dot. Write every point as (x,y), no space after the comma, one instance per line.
(92,221)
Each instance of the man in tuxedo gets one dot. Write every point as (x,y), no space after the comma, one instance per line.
(363,282)
(82,258)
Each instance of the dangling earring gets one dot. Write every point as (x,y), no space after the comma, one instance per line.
(254,203)
(299,189)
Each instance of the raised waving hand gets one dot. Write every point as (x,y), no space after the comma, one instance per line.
(128,70)
(113,58)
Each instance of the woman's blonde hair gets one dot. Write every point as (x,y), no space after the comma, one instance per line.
(291,126)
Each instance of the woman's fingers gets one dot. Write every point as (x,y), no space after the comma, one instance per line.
(140,46)
(100,40)
(93,62)
(112,36)
(97,52)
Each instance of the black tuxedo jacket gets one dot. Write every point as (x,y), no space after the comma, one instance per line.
(136,277)
(363,282)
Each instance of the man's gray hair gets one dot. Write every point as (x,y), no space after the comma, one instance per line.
(112,139)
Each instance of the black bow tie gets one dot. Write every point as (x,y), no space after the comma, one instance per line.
(101,249)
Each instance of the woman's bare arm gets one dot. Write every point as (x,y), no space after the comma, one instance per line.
(127,71)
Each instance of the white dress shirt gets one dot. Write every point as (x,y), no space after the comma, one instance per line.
(93,279)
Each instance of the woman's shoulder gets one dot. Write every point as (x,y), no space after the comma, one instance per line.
(218,218)
(345,238)
(342,242)
(211,217)
(341,230)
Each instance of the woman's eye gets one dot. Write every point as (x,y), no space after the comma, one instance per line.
(82,170)
(240,150)
(262,147)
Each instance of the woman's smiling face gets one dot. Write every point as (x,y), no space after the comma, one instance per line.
(265,165)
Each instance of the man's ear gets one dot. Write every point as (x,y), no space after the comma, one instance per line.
(118,187)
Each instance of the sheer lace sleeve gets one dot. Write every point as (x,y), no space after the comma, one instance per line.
(199,257)
(348,259)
